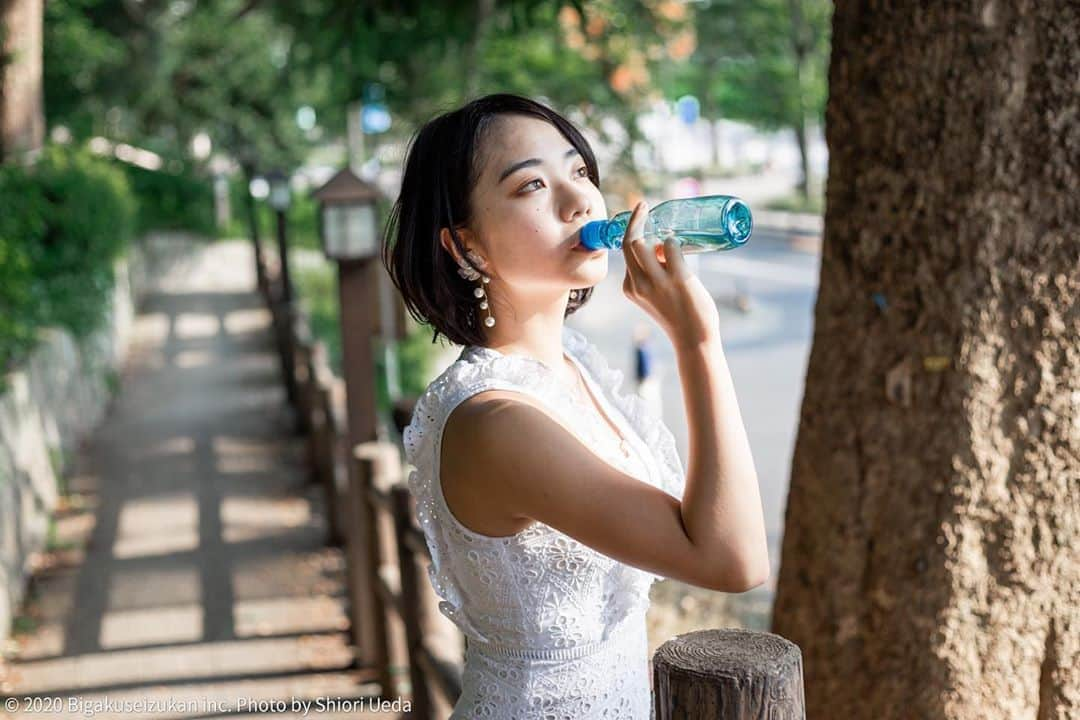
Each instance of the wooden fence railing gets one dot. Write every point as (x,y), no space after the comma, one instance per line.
(726,674)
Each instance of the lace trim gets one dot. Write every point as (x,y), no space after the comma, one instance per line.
(618,635)
(650,428)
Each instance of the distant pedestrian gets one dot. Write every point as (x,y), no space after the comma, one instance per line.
(646,381)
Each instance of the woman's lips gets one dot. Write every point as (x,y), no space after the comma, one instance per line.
(578,247)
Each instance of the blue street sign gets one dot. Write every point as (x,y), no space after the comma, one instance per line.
(374,119)
(688,109)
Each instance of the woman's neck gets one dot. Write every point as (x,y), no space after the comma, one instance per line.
(536,334)
(545,350)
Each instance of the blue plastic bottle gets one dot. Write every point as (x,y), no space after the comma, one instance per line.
(699,224)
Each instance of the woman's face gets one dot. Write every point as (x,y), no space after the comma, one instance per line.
(532,196)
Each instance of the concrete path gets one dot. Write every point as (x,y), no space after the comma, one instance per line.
(191,570)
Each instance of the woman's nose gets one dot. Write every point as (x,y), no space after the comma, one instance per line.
(576,203)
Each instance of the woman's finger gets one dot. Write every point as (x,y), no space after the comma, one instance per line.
(674,262)
(650,264)
(635,229)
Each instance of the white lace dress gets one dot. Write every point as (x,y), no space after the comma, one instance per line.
(554,629)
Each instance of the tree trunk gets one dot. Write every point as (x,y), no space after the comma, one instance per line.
(803,185)
(929,565)
(474,51)
(22,114)
(715,139)
(800,49)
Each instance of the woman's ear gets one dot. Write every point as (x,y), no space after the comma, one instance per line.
(466,239)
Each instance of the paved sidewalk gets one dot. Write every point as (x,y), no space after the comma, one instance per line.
(191,569)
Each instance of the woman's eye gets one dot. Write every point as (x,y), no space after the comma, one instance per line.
(581,172)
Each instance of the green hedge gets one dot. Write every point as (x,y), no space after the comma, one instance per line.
(180,200)
(63,223)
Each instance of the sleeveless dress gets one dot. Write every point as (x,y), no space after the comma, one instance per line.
(554,629)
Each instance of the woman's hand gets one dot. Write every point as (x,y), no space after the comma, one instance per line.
(666,288)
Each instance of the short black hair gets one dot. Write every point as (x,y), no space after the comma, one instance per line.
(441,169)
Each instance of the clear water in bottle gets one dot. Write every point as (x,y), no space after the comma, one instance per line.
(699,224)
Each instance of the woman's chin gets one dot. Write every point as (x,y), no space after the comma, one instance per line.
(592,272)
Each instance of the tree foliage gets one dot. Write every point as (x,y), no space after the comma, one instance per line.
(763,62)
(159,71)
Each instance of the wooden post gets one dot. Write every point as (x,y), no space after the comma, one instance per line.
(729,674)
(302,371)
(283,255)
(281,319)
(288,345)
(411,602)
(324,444)
(358,303)
(378,463)
(305,382)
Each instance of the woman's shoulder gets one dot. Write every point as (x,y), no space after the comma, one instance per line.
(476,370)
(478,366)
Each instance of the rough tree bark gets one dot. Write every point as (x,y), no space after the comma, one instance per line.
(930,565)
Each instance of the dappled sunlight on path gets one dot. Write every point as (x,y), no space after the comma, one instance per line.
(189,566)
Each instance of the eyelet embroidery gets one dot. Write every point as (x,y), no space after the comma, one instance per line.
(537,605)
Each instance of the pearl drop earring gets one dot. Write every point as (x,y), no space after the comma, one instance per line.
(478,292)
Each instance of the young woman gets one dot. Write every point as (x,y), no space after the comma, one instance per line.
(549,499)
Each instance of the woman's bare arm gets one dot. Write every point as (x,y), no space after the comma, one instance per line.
(505,459)
(721,505)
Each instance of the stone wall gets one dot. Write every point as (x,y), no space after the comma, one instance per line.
(59,395)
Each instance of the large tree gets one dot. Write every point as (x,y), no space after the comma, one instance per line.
(930,565)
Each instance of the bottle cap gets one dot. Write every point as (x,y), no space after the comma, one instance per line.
(593,234)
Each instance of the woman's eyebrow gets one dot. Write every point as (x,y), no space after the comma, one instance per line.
(529,163)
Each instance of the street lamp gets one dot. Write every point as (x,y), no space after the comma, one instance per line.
(280,194)
(258,189)
(349,231)
(279,197)
(348,228)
